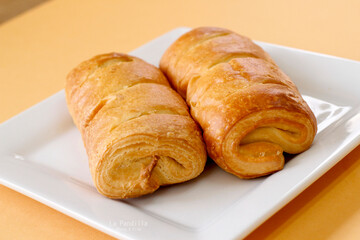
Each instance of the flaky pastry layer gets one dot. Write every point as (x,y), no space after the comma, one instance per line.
(137,131)
(250,111)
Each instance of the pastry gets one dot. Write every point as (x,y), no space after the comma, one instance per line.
(249,110)
(137,131)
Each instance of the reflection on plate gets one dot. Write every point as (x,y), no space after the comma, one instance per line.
(42,156)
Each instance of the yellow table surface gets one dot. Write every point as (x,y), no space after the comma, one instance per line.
(39,47)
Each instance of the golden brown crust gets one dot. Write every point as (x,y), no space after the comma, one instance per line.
(249,110)
(137,131)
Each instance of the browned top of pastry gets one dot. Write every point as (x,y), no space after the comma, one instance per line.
(91,84)
(202,48)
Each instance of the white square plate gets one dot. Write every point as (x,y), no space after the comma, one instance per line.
(42,156)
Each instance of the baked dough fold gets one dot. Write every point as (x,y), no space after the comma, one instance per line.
(137,131)
(250,111)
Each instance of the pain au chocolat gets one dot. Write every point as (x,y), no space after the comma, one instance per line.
(250,110)
(137,131)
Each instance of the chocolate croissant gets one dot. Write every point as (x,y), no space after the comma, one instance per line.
(137,131)
(249,110)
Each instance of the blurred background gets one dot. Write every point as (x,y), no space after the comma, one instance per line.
(11,8)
